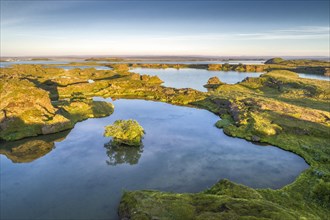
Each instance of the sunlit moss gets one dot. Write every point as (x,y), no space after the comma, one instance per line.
(125,132)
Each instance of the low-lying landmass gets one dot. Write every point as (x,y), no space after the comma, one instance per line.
(277,108)
(318,67)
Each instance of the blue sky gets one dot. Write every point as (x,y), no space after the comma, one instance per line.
(217,28)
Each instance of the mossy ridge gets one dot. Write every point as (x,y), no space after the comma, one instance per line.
(225,200)
(28,111)
(237,67)
(134,85)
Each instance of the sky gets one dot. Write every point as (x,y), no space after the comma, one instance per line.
(165,27)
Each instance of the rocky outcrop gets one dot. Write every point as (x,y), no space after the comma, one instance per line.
(213,82)
(27,111)
(125,132)
(275,60)
(237,67)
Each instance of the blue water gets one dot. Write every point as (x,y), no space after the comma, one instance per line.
(84,67)
(194,78)
(314,76)
(44,62)
(83,178)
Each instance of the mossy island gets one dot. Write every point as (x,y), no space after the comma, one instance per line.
(213,82)
(125,133)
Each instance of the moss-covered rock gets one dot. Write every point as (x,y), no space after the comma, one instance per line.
(26,110)
(125,132)
(213,82)
(225,200)
(275,60)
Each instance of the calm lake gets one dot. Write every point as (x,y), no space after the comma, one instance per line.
(83,178)
(314,76)
(193,78)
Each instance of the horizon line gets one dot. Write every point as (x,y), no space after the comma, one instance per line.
(157,55)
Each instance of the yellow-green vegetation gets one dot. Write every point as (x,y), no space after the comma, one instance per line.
(125,132)
(213,82)
(295,63)
(159,66)
(107,59)
(300,66)
(26,108)
(225,200)
(275,60)
(121,68)
(237,67)
(40,59)
(90,63)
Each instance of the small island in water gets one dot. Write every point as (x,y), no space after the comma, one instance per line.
(125,132)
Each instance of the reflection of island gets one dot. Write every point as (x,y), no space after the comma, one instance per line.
(30,149)
(122,154)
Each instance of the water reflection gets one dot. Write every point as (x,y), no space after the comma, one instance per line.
(314,76)
(122,154)
(30,149)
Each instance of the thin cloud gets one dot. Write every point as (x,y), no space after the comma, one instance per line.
(300,33)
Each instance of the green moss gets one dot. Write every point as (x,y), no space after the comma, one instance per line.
(225,200)
(225,187)
(235,67)
(223,123)
(321,192)
(275,60)
(85,108)
(125,132)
